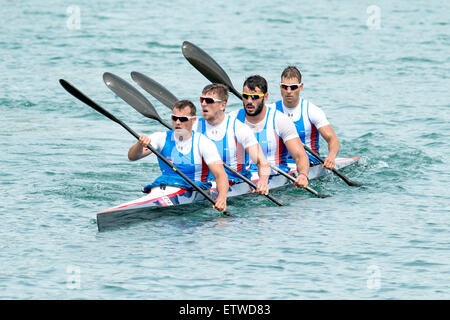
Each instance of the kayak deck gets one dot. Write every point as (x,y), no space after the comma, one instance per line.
(160,200)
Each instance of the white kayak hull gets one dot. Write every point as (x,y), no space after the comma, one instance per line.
(160,199)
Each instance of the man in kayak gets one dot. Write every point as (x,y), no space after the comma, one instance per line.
(309,119)
(274,131)
(234,140)
(191,152)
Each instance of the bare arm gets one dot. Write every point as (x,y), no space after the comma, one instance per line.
(139,149)
(295,148)
(257,156)
(221,177)
(329,135)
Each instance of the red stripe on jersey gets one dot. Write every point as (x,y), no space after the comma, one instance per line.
(279,151)
(239,156)
(205,171)
(314,137)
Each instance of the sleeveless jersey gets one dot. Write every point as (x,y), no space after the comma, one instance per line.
(191,164)
(307,131)
(272,145)
(233,154)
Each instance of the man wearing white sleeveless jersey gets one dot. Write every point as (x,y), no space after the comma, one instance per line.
(309,119)
(234,140)
(191,153)
(274,131)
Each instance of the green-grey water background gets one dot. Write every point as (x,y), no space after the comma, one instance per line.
(379,69)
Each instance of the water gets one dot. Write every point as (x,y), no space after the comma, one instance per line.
(384,87)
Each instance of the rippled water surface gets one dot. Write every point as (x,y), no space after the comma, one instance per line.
(380,73)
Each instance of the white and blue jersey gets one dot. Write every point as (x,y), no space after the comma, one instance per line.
(230,145)
(271,143)
(192,163)
(307,130)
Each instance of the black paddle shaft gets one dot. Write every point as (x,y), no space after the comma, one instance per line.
(289,177)
(335,171)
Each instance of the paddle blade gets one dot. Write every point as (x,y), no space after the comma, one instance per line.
(155,89)
(207,66)
(130,95)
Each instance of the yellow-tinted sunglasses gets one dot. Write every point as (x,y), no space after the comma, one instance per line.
(254,96)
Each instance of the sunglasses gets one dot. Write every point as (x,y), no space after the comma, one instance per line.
(293,87)
(254,96)
(209,100)
(181,118)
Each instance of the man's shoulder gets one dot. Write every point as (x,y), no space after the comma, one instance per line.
(281,116)
(200,135)
(307,102)
(195,124)
(207,148)
(234,114)
(315,113)
(284,126)
(204,140)
(241,128)
(160,134)
(271,105)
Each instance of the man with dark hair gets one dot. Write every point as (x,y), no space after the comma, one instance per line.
(191,152)
(234,140)
(309,119)
(274,131)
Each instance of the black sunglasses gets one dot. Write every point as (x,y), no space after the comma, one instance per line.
(181,118)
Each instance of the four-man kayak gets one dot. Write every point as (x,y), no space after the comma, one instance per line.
(151,205)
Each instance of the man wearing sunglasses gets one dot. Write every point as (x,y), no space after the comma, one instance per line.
(234,140)
(191,153)
(274,131)
(309,119)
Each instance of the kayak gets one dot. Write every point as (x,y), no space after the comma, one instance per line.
(160,198)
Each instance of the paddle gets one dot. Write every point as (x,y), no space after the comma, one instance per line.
(206,65)
(335,171)
(214,73)
(131,96)
(155,89)
(80,96)
(160,92)
(289,177)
